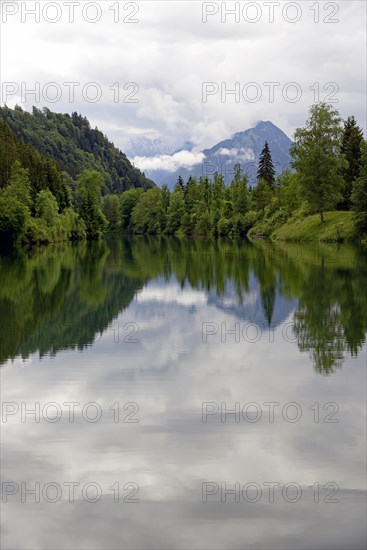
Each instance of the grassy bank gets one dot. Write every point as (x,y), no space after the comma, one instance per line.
(337,227)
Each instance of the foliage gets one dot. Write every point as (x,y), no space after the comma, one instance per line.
(13,220)
(359,195)
(147,214)
(351,148)
(127,202)
(36,202)
(261,196)
(176,209)
(90,211)
(41,172)
(265,169)
(318,159)
(50,206)
(75,146)
(111,210)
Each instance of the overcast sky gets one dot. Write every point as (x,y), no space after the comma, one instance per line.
(170,52)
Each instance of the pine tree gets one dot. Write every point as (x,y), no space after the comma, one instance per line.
(265,169)
(359,195)
(191,204)
(351,148)
(180,183)
(217,200)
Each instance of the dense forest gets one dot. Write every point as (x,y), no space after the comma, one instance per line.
(51,185)
(75,146)
(61,180)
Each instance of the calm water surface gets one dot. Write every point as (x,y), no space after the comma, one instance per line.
(187,395)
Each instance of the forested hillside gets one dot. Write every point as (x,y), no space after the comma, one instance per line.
(43,172)
(75,146)
(54,171)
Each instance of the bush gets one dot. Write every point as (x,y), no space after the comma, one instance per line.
(37,232)
(225,227)
(13,220)
(74,226)
(204,224)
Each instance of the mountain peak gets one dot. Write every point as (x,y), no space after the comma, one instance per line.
(263,124)
(242,147)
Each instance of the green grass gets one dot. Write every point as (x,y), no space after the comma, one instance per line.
(337,227)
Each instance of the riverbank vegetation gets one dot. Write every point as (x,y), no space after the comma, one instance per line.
(322,197)
(54,171)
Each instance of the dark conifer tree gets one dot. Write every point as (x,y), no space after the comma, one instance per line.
(180,183)
(359,195)
(265,170)
(351,148)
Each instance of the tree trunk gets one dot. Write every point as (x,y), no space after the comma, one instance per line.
(322,217)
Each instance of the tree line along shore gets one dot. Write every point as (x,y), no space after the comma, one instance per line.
(61,180)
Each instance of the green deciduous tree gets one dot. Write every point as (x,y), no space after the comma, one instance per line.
(192,194)
(19,185)
(147,214)
(176,210)
(46,207)
(166,194)
(240,192)
(318,160)
(261,196)
(111,209)
(289,193)
(128,200)
(89,197)
(204,224)
(13,220)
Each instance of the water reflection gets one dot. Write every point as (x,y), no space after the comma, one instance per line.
(59,298)
(73,312)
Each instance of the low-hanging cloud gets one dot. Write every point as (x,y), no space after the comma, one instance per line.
(170,163)
(170,54)
(245,154)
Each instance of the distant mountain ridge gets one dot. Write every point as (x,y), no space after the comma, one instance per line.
(243,147)
(147,147)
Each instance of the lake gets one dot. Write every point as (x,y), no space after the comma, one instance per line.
(167,393)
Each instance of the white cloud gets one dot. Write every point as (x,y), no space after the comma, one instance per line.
(170,53)
(245,154)
(182,159)
(172,294)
